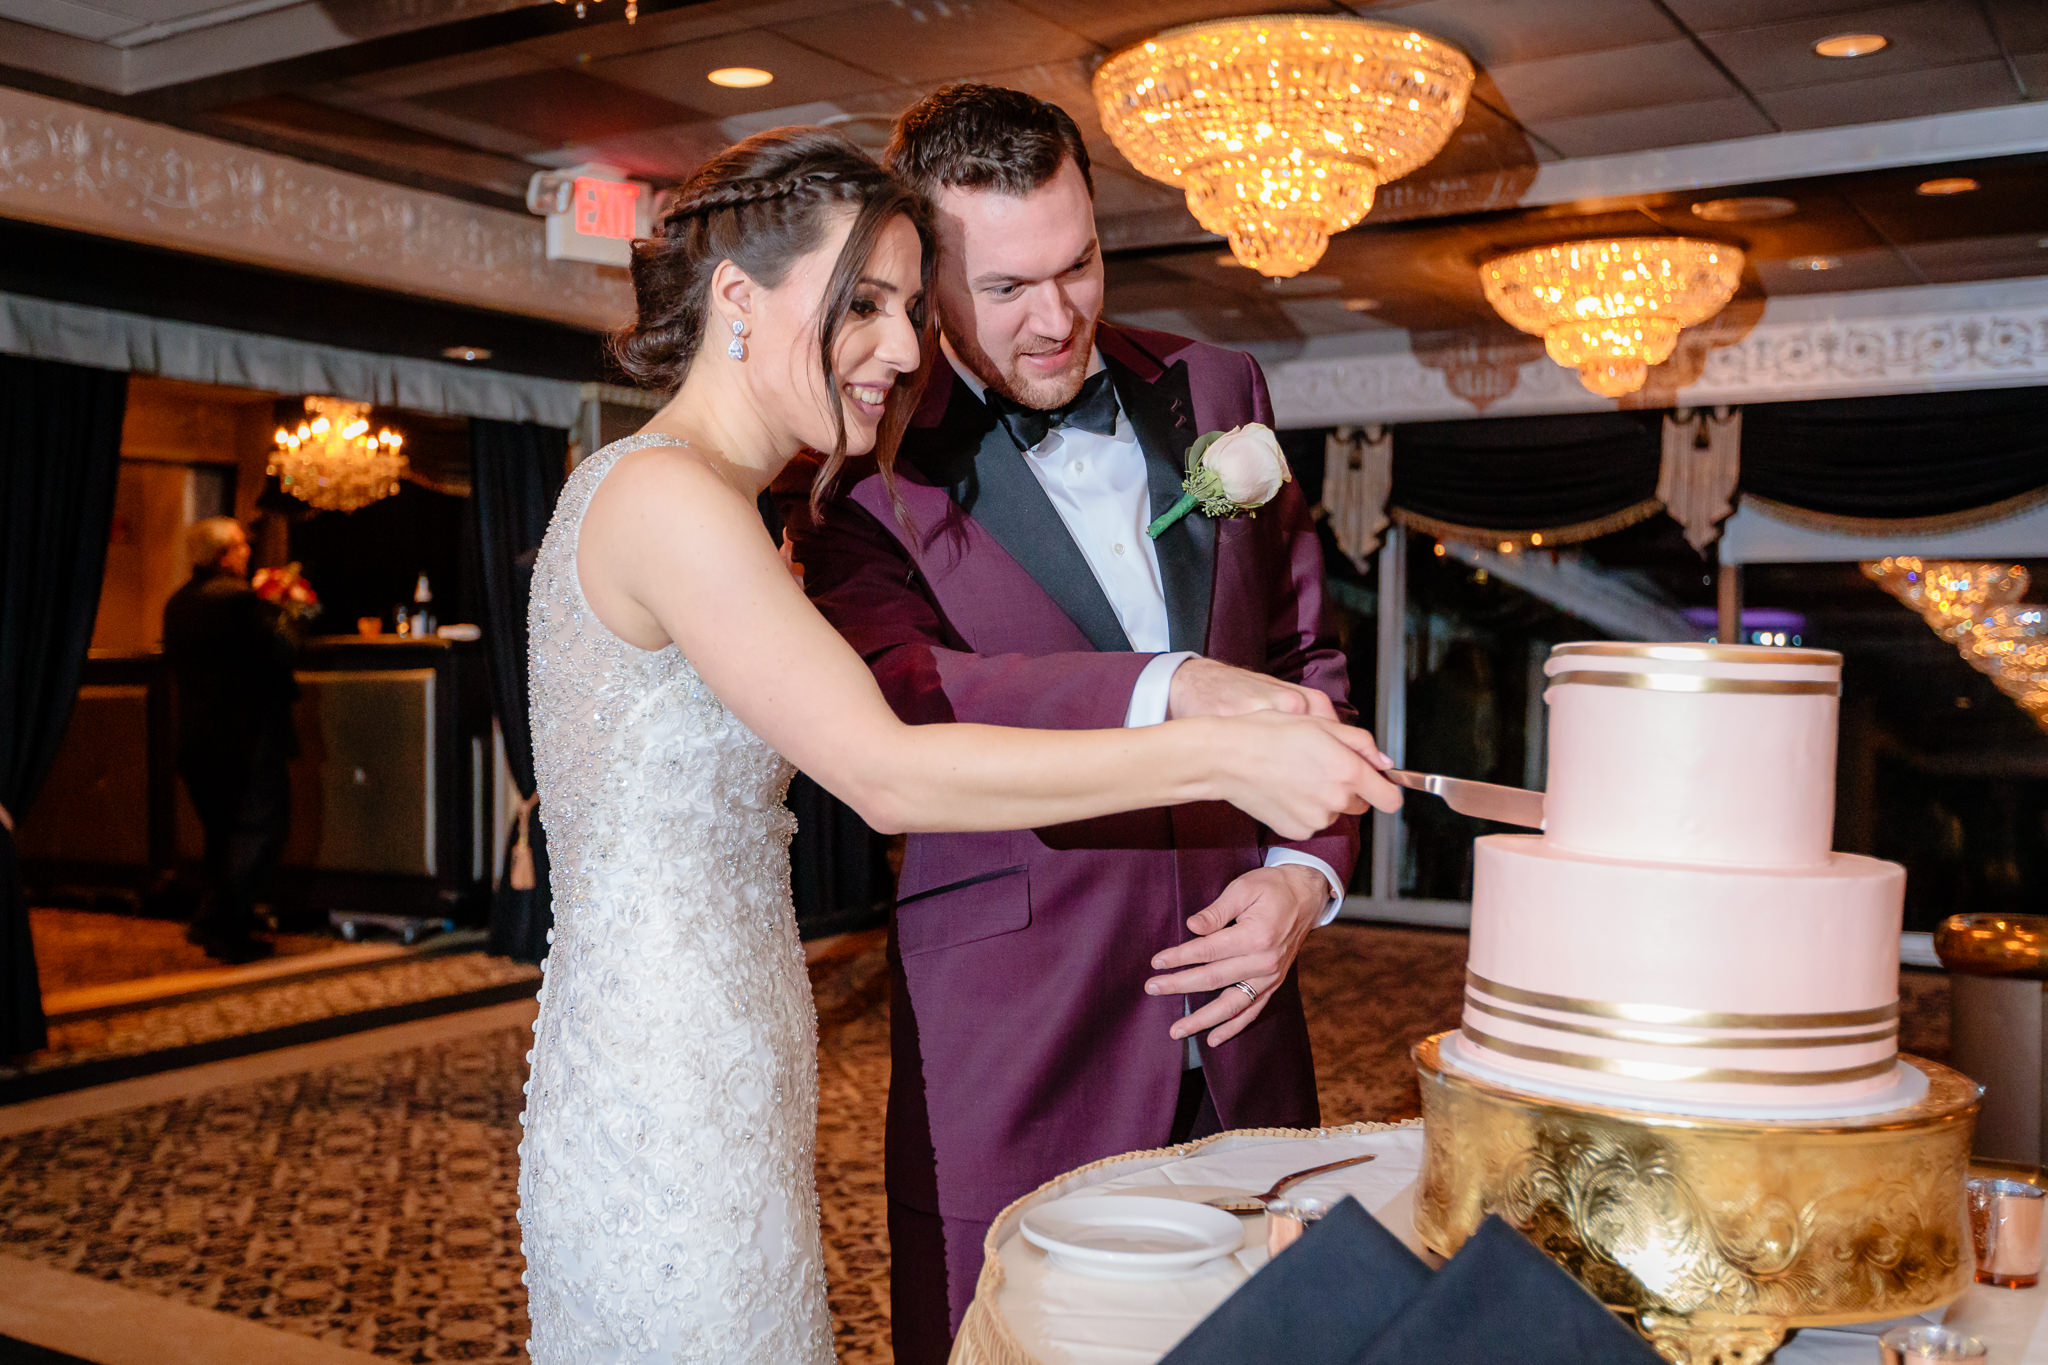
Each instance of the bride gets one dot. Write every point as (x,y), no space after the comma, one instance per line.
(666,1188)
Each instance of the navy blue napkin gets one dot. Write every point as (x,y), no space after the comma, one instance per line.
(1501,1299)
(1319,1302)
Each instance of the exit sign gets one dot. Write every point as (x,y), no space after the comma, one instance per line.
(593,213)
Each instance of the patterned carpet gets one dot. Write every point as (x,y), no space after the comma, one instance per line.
(219,1018)
(370,1204)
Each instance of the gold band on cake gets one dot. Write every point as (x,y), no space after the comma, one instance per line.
(1883,1033)
(1683,682)
(1672,1071)
(1679,1017)
(1698,653)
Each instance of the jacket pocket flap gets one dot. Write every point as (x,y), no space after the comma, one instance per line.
(965,911)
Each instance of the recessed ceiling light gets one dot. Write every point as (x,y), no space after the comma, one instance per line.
(1814,263)
(740,77)
(1361,305)
(1852,45)
(466,353)
(1947,184)
(1749,209)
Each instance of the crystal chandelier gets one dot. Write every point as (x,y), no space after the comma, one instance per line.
(333,461)
(1280,127)
(1977,608)
(1610,309)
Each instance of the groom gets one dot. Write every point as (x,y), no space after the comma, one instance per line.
(1065,994)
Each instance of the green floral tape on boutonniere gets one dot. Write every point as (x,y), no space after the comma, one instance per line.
(1230,473)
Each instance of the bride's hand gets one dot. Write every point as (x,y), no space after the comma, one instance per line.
(1297,774)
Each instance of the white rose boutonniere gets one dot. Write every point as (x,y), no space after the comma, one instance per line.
(1229,473)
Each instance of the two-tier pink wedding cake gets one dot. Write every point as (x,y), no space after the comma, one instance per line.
(1680,937)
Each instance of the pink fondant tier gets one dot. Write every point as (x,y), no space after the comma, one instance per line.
(1653,981)
(1693,753)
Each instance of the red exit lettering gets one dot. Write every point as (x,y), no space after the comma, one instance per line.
(605,208)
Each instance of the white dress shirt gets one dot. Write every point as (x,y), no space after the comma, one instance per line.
(1099,486)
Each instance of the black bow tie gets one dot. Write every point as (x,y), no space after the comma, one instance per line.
(1094,409)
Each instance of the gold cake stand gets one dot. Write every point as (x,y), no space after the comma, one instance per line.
(1717,1235)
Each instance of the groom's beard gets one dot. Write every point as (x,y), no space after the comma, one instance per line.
(1044,392)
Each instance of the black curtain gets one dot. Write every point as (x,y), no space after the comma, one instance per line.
(1527,473)
(60,457)
(1915,455)
(517,473)
(839,877)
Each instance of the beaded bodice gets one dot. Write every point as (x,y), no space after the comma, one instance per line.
(666,1184)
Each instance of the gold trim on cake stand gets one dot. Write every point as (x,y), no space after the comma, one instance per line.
(1717,1235)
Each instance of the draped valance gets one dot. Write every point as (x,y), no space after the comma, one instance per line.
(1911,464)
(1566,477)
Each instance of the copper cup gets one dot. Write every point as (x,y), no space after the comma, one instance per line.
(2008,1226)
(1928,1346)
(1288,1219)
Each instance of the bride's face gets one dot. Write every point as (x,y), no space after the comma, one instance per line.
(875,349)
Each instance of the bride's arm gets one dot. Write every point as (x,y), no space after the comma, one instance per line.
(670,552)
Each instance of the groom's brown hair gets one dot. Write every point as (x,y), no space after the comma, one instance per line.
(983,137)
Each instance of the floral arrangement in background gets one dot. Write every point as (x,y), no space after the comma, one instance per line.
(288,589)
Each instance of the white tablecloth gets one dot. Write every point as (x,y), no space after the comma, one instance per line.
(1057,1317)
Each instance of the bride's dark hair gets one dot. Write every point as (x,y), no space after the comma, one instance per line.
(763,204)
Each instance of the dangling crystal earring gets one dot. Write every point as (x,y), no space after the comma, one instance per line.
(738,349)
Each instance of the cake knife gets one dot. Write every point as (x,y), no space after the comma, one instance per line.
(1481,800)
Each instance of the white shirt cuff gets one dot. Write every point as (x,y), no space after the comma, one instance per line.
(1154,690)
(1288,857)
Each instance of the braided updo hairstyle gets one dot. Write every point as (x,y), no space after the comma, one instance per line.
(763,204)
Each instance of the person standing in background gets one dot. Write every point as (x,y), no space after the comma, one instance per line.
(231,669)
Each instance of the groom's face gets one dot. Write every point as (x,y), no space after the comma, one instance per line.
(1019,286)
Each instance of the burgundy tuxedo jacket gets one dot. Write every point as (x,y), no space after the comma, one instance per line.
(1024,1043)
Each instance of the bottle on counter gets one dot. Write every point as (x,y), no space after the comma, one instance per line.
(423,622)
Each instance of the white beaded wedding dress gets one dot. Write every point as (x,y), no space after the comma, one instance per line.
(667,1195)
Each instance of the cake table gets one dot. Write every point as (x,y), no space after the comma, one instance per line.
(1717,1235)
(1027,1313)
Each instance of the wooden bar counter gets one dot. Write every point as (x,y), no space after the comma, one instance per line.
(392,791)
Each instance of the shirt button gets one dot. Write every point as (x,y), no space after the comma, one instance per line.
(1118,548)
(1078,466)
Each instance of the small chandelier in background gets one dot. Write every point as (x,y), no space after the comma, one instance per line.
(1977,608)
(1611,308)
(1279,128)
(333,461)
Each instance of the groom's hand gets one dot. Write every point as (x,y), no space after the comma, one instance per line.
(1203,687)
(1250,933)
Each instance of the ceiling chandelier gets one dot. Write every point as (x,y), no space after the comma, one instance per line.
(332,460)
(1280,127)
(1977,608)
(1611,308)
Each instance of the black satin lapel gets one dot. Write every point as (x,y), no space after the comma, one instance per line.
(1162,416)
(992,485)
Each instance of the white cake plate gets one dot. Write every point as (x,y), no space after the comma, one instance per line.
(1908,1088)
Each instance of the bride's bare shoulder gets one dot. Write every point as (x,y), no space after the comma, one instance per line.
(663,482)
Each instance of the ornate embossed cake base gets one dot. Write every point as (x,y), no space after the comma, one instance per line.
(1717,1235)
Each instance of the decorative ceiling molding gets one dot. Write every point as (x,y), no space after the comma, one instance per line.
(68,166)
(1971,135)
(1976,336)
(1588,181)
